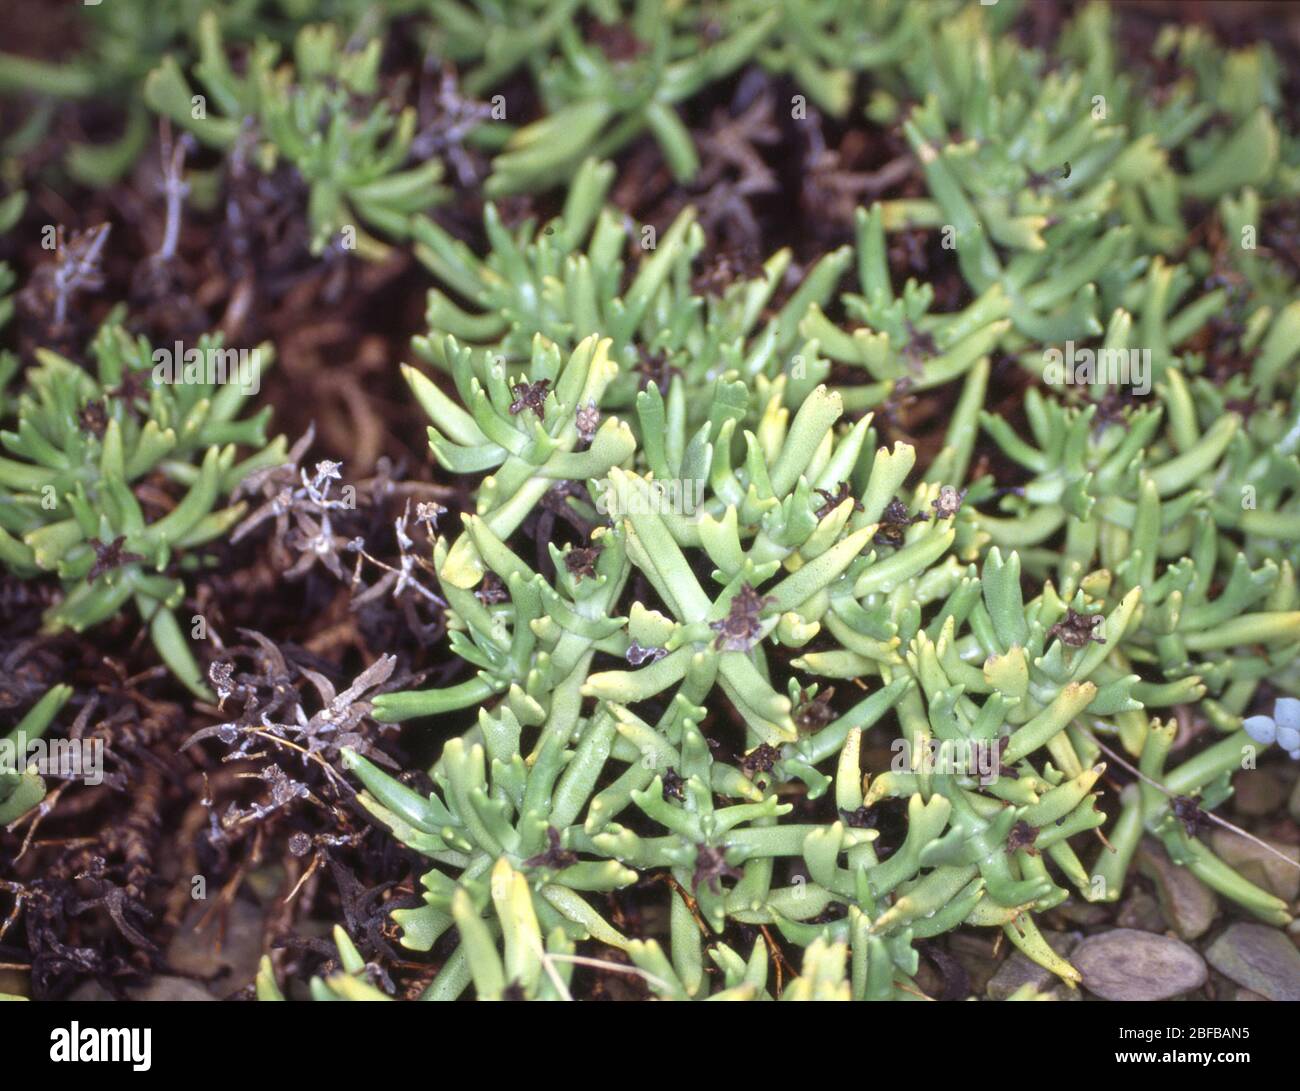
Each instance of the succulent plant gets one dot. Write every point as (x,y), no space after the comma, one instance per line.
(123,42)
(540,282)
(703,450)
(639,62)
(845,574)
(77,447)
(323,114)
(689,519)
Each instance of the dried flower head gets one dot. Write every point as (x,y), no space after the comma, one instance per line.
(832,500)
(673,784)
(1022,836)
(76,269)
(1076,629)
(894,521)
(948,503)
(711,867)
(812,711)
(741,628)
(636,655)
(530,396)
(582,562)
(555,857)
(588,421)
(110,556)
(760,759)
(1187,810)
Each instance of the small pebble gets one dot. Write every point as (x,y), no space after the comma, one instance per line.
(1259,958)
(1129,965)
